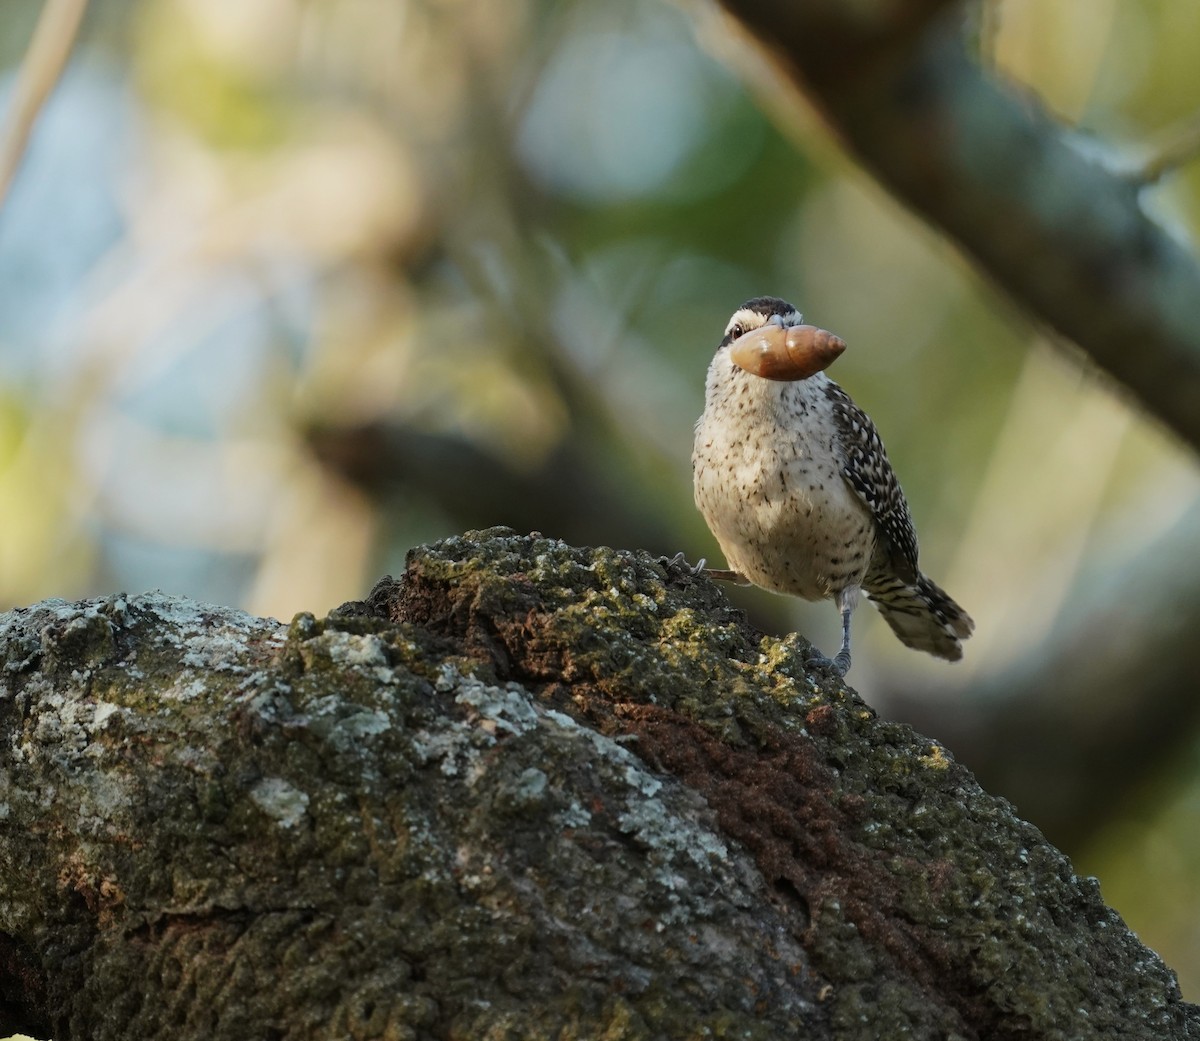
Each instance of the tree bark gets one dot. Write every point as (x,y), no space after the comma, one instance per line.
(526,790)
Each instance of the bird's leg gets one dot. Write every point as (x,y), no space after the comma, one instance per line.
(841,660)
(724,575)
(846,600)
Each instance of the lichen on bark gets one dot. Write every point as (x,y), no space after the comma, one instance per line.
(526,790)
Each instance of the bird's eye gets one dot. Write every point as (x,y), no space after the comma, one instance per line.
(736,331)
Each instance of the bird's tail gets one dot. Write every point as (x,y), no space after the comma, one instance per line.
(923,616)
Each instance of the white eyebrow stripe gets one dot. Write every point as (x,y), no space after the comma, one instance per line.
(747,319)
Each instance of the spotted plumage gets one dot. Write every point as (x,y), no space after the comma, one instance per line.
(870,474)
(795,484)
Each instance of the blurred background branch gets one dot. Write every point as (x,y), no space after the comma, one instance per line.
(43,64)
(289,287)
(1175,147)
(1043,211)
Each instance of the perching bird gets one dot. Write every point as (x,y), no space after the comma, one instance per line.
(795,484)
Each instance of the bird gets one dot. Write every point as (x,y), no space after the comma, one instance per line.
(792,479)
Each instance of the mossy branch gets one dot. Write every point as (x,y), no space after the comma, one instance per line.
(527,790)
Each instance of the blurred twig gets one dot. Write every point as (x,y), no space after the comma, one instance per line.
(1179,146)
(1049,220)
(40,72)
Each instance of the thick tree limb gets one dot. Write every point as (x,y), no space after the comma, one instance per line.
(550,792)
(1029,202)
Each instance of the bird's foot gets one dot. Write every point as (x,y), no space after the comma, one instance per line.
(839,663)
(680,561)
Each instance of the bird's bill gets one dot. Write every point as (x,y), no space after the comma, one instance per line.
(778,352)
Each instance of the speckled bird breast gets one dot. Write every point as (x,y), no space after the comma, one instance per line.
(767,474)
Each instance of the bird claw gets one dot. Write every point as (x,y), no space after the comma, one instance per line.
(839,663)
(680,561)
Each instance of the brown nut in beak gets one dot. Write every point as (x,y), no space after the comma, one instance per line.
(794,352)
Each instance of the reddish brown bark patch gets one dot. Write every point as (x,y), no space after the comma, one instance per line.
(774,789)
